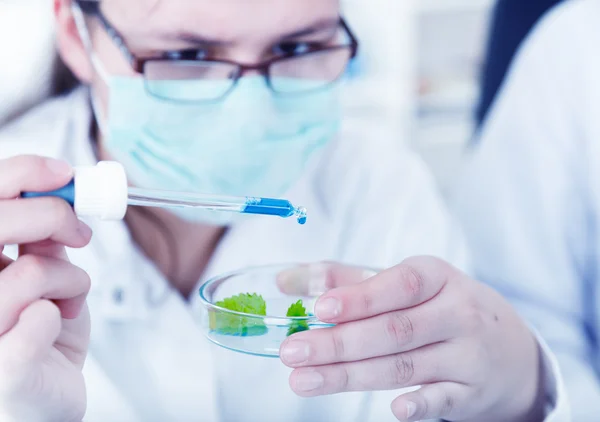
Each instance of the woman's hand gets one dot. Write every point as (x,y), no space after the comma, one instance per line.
(422,323)
(44,321)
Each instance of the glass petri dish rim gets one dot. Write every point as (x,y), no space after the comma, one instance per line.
(222,278)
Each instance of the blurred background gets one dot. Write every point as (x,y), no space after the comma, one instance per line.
(420,73)
(417,75)
(451,39)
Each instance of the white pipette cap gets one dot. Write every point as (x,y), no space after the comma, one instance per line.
(101,191)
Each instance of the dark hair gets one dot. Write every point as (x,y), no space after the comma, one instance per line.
(64,80)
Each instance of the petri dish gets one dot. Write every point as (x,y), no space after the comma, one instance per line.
(249,333)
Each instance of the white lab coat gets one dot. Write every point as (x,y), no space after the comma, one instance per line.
(370,203)
(530,199)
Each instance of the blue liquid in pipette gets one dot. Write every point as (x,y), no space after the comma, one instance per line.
(278,207)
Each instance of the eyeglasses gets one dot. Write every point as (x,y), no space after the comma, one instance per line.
(171,76)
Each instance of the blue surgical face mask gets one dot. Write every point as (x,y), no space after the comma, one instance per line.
(252,143)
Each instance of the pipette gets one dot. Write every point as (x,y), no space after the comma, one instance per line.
(102,191)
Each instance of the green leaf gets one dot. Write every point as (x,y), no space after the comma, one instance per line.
(238,325)
(297,310)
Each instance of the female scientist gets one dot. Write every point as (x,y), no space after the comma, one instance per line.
(235,97)
(530,200)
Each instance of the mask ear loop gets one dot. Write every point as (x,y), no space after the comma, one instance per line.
(86,39)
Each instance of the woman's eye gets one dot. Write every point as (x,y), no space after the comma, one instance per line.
(294,48)
(188,55)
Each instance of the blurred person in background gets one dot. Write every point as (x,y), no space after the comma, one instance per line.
(530,197)
(512,21)
(237,97)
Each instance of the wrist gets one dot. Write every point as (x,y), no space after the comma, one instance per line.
(528,399)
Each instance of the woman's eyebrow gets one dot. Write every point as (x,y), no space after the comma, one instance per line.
(319,26)
(197,39)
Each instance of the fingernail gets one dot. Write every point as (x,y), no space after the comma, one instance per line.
(411,409)
(84,230)
(293,280)
(309,381)
(295,352)
(328,308)
(59,167)
(305,279)
(367,274)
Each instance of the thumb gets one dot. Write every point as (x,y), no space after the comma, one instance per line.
(444,400)
(315,279)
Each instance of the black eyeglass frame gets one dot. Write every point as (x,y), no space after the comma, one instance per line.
(138,64)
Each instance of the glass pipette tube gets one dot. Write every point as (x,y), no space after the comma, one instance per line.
(243,205)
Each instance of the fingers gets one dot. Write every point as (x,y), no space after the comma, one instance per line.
(74,337)
(32,173)
(436,401)
(37,329)
(31,278)
(46,248)
(386,373)
(37,219)
(316,279)
(409,284)
(381,335)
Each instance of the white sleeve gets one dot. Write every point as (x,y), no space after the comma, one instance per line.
(104,401)
(524,202)
(556,405)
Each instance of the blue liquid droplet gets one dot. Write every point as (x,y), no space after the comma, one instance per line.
(301,213)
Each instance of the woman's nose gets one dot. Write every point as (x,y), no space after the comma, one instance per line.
(252,72)
(250,57)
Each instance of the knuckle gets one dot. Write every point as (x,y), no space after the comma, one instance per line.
(447,405)
(472,316)
(339,346)
(366,301)
(399,329)
(403,370)
(344,379)
(412,280)
(425,408)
